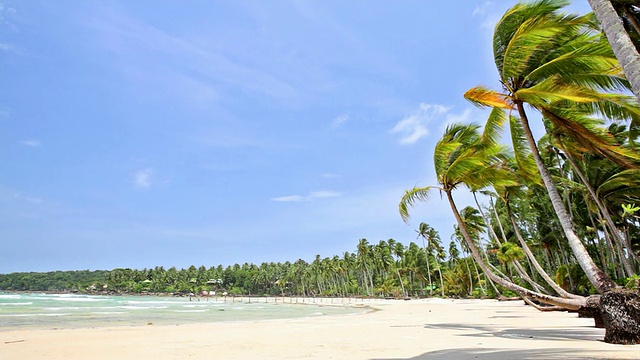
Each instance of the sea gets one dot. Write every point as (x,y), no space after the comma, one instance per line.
(64,311)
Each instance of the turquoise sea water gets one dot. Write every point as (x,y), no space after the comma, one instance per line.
(56,311)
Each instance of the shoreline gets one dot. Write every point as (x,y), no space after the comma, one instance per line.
(418,329)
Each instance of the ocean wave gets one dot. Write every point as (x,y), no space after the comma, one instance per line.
(34,315)
(130,307)
(153,302)
(16,304)
(9,296)
(190,311)
(108,312)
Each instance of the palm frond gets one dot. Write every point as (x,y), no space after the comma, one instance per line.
(513,19)
(588,135)
(481,97)
(524,46)
(523,157)
(623,185)
(552,90)
(493,126)
(410,198)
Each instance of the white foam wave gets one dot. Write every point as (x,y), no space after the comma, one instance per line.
(33,315)
(9,296)
(108,312)
(16,304)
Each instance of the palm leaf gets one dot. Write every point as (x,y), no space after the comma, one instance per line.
(528,170)
(513,19)
(493,126)
(625,184)
(587,134)
(410,198)
(481,96)
(553,90)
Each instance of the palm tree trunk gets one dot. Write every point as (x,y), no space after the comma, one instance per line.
(466,262)
(521,272)
(404,293)
(533,259)
(571,304)
(618,236)
(620,42)
(597,277)
(495,212)
(426,255)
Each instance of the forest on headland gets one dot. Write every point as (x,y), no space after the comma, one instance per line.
(556,219)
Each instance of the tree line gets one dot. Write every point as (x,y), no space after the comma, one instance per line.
(387,268)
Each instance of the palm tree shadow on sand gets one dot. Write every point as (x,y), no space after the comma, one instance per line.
(479,331)
(502,354)
(585,333)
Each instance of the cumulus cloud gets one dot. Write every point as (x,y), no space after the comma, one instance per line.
(142,178)
(31,142)
(414,126)
(313,195)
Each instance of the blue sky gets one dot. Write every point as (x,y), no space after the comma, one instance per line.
(136,134)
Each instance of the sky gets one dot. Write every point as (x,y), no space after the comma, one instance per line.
(168,133)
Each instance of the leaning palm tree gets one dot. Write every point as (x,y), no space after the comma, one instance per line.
(620,41)
(552,61)
(462,157)
(560,66)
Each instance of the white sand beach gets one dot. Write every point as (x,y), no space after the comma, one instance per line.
(416,329)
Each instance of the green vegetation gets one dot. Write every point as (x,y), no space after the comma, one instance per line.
(572,191)
(385,269)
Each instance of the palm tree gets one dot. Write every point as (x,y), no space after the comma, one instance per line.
(551,61)
(364,250)
(461,157)
(620,41)
(425,232)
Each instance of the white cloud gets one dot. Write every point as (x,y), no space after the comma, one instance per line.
(488,14)
(414,126)
(31,142)
(323,194)
(330,176)
(136,41)
(142,178)
(481,9)
(338,121)
(464,117)
(291,198)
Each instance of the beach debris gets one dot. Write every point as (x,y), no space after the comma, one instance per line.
(14,341)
